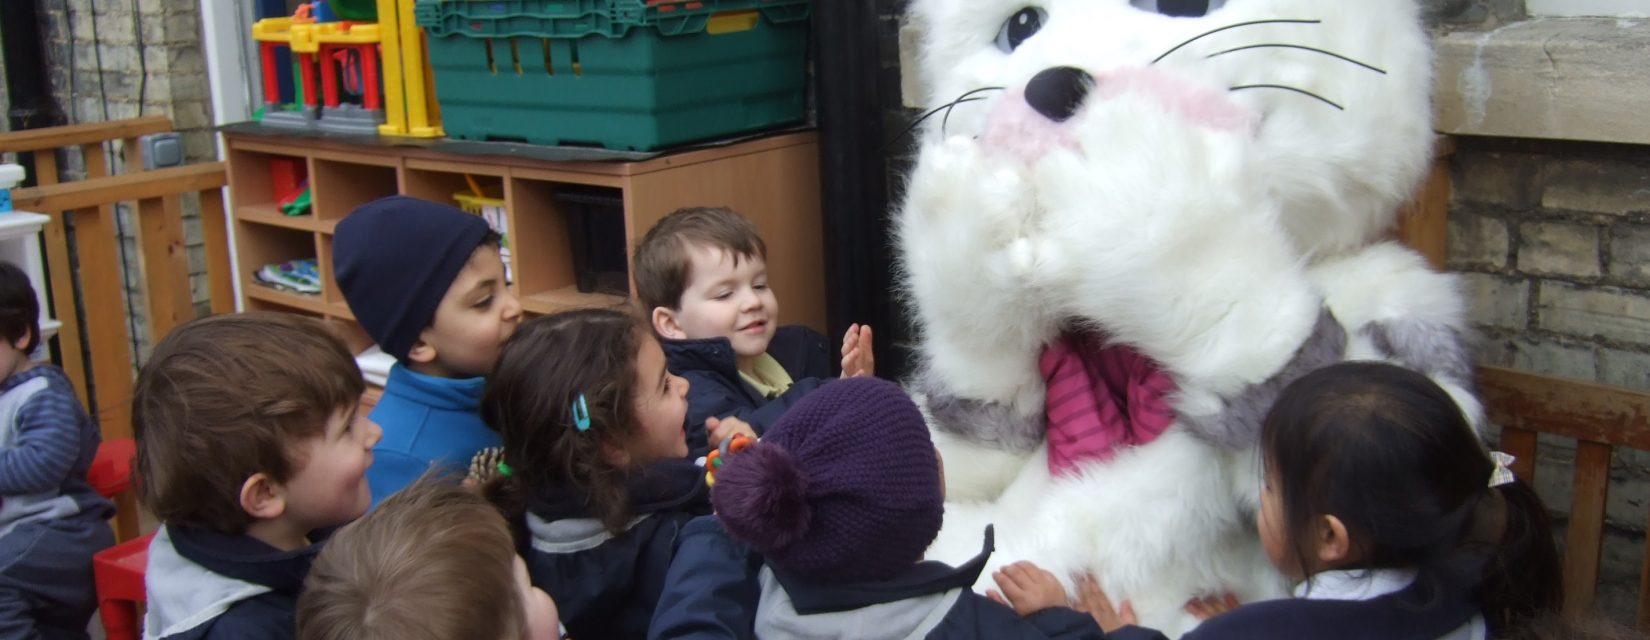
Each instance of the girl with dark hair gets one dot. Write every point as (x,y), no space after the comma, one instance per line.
(1378,490)
(1385,508)
(593,475)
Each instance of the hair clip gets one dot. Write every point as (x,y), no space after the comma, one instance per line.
(504,470)
(581,414)
(1503,472)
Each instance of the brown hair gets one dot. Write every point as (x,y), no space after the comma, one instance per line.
(542,370)
(434,561)
(662,260)
(226,397)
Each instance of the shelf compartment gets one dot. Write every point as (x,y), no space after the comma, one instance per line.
(340,187)
(438,181)
(551,259)
(259,245)
(263,180)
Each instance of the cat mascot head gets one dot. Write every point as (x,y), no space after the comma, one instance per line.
(1129,225)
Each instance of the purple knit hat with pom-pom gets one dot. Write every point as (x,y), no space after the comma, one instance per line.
(845,488)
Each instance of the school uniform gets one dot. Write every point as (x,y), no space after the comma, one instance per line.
(718,590)
(606,584)
(717,389)
(206,585)
(1385,604)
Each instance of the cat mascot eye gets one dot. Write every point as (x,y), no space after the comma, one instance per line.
(1020,27)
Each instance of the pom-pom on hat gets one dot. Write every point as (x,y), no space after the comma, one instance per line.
(845,488)
(394,259)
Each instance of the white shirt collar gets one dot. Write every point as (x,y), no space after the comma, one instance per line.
(1354,585)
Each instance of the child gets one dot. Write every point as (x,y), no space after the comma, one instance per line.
(51,521)
(595,469)
(841,498)
(702,276)
(434,561)
(426,282)
(250,447)
(1383,505)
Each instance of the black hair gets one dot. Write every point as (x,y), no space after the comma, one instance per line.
(19,308)
(1389,453)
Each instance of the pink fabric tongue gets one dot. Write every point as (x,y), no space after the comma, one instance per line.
(1100,397)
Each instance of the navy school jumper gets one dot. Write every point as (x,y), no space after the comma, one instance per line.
(716,388)
(203,584)
(714,589)
(606,585)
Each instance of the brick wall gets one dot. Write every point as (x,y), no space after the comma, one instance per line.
(1552,240)
(126,58)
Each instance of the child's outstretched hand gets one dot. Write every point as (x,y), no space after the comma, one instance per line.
(857,359)
(719,429)
(1211,606)
(1093,601)
(1027,588)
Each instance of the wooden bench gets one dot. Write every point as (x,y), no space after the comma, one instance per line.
(1599,418)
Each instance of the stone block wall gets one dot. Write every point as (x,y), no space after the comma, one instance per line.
(1552,242)
(110,60)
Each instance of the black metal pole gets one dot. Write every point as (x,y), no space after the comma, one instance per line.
(32,106)
(859,255)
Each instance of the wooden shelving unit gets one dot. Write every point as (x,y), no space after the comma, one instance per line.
(771,180)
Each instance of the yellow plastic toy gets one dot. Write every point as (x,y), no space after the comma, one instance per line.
(409,101)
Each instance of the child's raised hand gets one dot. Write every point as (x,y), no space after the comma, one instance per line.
(857,357)
(720,429)
(1211,606)
(1093,601)
(1027,588)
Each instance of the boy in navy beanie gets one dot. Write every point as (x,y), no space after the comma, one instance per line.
(426,281)
(840,499)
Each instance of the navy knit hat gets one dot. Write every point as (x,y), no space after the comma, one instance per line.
(845,488)
(394,259)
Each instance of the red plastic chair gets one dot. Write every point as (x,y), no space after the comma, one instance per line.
(111,472)
(118,571)
(111,476)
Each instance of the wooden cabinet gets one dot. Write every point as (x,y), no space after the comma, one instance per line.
(771,180)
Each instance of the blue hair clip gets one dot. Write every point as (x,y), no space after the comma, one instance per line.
(581,414)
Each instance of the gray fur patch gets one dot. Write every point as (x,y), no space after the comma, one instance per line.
(1238,426)
(1433,348)
(986,423)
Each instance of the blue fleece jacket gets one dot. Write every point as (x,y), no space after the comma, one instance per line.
(426,421)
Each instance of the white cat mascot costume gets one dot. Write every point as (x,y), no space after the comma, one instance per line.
(1138,222)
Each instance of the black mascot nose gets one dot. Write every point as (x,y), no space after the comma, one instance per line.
(1057,92)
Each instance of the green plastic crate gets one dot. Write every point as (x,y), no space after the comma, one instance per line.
(621,74)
